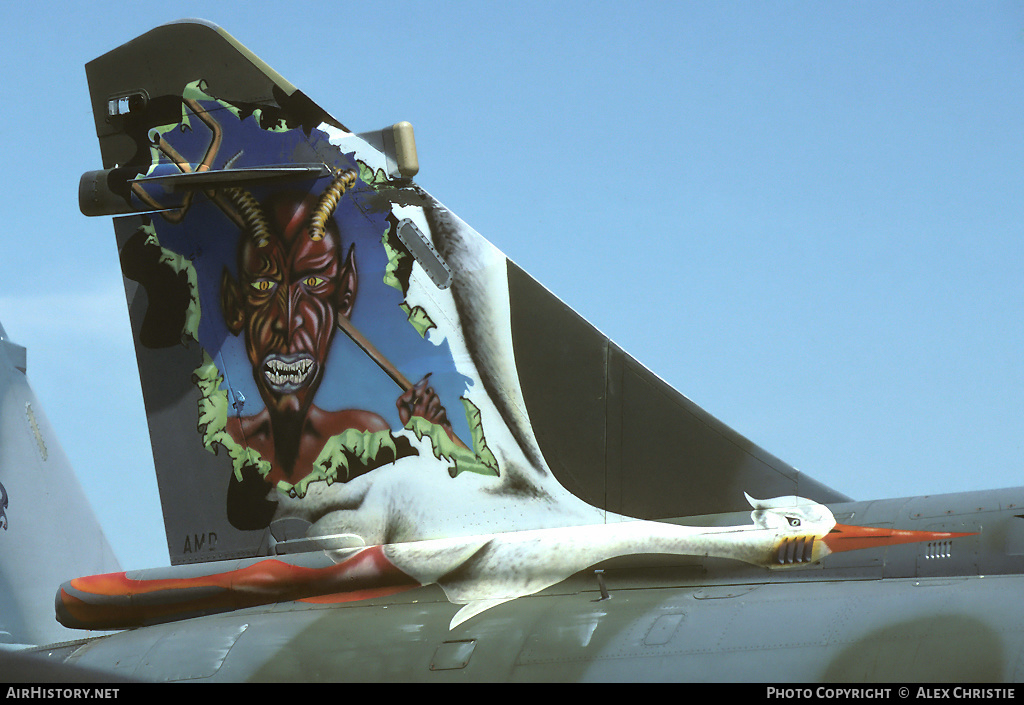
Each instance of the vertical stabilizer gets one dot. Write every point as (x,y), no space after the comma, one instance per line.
(328,353)
(48,532)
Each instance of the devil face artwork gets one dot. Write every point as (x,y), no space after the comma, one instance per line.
(259,276)
(293,284)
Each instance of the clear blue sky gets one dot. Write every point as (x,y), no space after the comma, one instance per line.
(805,216)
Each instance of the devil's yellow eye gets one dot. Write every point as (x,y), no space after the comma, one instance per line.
(262,285)
(313,281)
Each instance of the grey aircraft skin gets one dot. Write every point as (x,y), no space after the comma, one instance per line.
(911,614)
(333,517)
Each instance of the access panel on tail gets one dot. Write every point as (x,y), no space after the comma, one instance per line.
(330,357)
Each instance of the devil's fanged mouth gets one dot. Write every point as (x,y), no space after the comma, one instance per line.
(287,373)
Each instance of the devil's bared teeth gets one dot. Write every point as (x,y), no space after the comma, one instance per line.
(280,373)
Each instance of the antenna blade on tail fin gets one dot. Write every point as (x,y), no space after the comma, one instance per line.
(510,411)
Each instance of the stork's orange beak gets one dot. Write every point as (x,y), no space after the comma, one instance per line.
(844,537)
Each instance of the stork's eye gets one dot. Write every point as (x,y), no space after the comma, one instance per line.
(793,521)
(313,281)
(262,284)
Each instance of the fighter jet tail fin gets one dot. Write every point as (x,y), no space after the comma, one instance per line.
(327,351)
(48,531)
